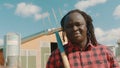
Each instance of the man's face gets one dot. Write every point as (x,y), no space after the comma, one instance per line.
(75,28)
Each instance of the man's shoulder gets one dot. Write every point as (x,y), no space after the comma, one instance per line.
(102,47)
(56,51)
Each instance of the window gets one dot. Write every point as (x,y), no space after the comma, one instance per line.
(53,46)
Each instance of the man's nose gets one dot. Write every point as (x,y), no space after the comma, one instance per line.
(75,28)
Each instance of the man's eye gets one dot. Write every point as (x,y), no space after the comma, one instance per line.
(77,24)
(69,26)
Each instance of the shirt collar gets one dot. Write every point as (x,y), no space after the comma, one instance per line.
(88,46)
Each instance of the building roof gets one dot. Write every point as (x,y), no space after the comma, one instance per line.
(36,35)
(39,34)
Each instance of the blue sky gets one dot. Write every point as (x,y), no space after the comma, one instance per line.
(27,17)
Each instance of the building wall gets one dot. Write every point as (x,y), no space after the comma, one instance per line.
(42,47)
(34,44)
(28,58)
(118,54)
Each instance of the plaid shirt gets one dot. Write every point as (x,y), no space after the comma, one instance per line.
(92,57)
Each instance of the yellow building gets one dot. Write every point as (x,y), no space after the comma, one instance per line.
(36,48)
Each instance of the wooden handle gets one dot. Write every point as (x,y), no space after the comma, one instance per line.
(62,51)
(65,60)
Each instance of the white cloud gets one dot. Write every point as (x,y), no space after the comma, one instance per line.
(99,32)
(84,4)
(38,16)
(41,16)
(117,11)
(27,10)
(110,36)
(44,15)
(8,5)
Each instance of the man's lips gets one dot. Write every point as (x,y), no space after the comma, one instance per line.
(77,34)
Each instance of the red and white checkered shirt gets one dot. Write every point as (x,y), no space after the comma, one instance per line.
(98,56)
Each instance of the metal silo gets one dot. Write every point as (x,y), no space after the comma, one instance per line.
(12,50)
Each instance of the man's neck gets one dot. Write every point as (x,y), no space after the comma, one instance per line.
(82,44)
